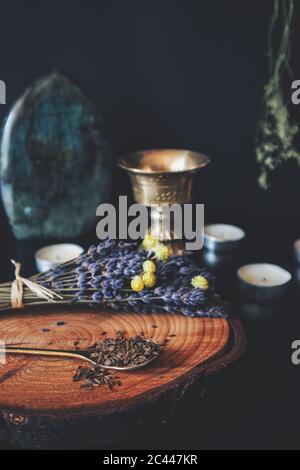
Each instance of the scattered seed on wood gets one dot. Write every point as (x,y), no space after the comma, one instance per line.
(60,323)
(120,333)
(9,374)
(95,376)
(45,330)
(154,326)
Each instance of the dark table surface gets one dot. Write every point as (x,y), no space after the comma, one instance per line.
(255,403)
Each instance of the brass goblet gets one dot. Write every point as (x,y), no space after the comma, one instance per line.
(163,177)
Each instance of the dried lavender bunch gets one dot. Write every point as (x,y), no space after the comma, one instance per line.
(124,275)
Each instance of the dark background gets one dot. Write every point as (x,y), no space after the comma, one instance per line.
(164,73)
(185,74)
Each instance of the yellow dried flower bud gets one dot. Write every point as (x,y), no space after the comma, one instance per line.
(149,242)
(200,281)
(137,284)
(149,266)
(149,279)
(162,252)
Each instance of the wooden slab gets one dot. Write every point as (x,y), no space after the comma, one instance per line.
(39,391)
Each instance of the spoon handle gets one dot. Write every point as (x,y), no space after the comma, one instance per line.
(43,352)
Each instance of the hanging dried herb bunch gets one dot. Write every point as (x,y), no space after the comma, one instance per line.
(275,142)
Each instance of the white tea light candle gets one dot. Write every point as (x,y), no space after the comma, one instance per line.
(222,237)
(297,249)
(49,256)
(263,281)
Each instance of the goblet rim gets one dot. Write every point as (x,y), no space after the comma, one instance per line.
(124,161)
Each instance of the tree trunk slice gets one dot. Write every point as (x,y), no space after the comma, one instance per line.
(41,406)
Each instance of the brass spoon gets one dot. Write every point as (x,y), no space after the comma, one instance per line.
(83,355)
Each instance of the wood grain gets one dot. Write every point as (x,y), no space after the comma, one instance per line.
(40,389)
